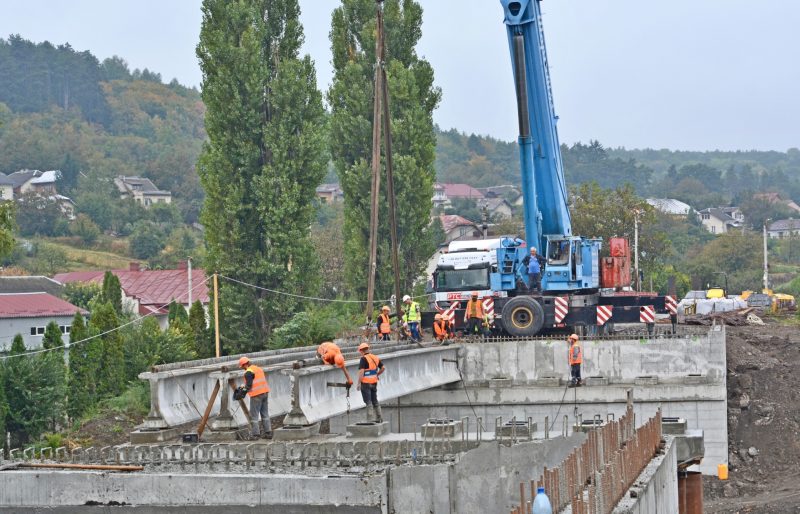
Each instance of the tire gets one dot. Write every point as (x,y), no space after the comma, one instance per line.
(523,316)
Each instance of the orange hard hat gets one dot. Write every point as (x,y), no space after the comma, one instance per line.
(363,346)
(243,361)
(574,337)
(437,316)
(385,308)
(474,293)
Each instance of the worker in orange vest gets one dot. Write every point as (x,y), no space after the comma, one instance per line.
(474,315)
(575,360)
(255,383)
(369,369)
(384,324)
(330,353)
(441,328)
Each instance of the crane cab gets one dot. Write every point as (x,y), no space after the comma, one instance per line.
(572,264)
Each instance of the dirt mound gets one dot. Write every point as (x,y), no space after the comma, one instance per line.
(763,422)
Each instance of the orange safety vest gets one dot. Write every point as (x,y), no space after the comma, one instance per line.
(575,354)
(475,309)
(384,324)
(260,385)
(371,373)
(440,328)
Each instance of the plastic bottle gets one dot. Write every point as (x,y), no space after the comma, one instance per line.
(541,504)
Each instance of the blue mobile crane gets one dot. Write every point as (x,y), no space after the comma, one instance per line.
(578,288)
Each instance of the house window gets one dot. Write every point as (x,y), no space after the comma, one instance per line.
(65,329)
(713,229)
(37,331)
(706,216)
(463,231)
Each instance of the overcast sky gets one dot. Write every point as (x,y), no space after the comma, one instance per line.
(683,74)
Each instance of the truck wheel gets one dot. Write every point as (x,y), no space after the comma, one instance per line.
(523,316)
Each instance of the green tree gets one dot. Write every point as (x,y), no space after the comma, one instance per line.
(201,336)
(146,240)
(265,155)
(84,365)
(7,228)
(111,371)
(737,254)
(81,294)
(27,395)
(51,365)
(52,336)
(413,97)
(112,291)
(177,314)
(40,215)
(82,226)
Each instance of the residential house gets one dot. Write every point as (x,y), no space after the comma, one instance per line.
(498,208)
(776,198)
(25,181)
(149,292)
(330,193)
(142,190)
(784,228)
(443,194)
(30,284)
(457,228)
(511,193)
(670,206)
(720,220)
(29,313)
(6,187)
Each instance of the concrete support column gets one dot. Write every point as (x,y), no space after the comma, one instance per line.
(296,416)
(155,419)
(224,420)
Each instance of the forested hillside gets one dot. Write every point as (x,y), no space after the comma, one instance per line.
(63,109)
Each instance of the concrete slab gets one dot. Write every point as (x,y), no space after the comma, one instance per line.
(293,432)
(673,426)
(142,436)
(439,428)
(367,429)
(597,381)
(646,380)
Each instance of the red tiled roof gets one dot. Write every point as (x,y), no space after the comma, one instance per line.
(154,289)
(451,221)
(461,191)
(35,305)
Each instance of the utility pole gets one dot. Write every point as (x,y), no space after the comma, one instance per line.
(216,314)
(485,219)
(382,119)
(766,259)
(636,248)
(189,272)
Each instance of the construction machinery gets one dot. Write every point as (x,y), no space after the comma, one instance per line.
(579,290)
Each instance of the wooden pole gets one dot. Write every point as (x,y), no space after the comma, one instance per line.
(387,148)
(216,313)
(376,176)
(201,428)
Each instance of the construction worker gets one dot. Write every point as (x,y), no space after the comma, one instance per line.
(369,369)
(412,317)
(534,271)
(575,360)
(255,383)
(330,353)
(384,324)
(474,315)
(441,330)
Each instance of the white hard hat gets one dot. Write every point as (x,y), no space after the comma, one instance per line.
(406,298)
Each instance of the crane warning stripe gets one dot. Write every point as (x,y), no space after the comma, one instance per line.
(488,306)
(561,308)
(604,313)
(647,314)
(672,305)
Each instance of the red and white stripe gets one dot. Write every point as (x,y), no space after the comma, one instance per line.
(561,308)
(604,313)
(450,313)
(671,304)
(647,314)
(488,306)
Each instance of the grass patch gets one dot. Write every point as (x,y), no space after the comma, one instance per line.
(84,258)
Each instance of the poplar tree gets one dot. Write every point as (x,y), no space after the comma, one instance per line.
(28,402)
(203,345)
(84,362)
(112,291)
(111,376)
(413,97)
(51,365)
(265,155)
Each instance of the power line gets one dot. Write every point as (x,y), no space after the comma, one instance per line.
(63,346)
(303,297)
